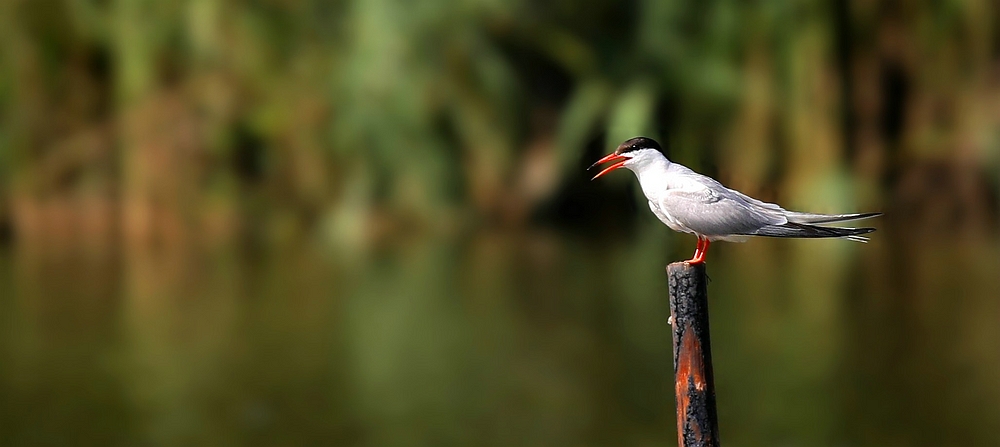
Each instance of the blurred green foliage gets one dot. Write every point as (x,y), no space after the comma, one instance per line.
(416,171)
(329,111)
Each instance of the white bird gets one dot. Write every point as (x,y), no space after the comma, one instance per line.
(689,202)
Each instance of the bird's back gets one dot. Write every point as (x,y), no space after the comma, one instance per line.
(702,205)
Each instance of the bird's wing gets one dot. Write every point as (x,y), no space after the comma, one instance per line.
(812,218)
(809,218)
(708,208)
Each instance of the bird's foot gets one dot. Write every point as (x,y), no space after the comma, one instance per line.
(698,258)
(699,252)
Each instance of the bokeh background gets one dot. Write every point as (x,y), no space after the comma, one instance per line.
(368,223)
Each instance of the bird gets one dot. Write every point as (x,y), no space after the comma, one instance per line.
(689,202)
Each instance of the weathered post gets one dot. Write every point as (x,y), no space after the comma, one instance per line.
(694,385)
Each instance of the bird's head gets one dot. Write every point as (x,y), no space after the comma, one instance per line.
(631,153)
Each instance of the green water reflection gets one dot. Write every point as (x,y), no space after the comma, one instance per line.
(498,338)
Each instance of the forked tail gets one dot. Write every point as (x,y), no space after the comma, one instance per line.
(792,229)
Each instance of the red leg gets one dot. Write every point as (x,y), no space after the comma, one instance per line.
(698,256)
(700,252)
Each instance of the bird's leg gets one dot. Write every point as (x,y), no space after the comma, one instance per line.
(699,255)
(700,251)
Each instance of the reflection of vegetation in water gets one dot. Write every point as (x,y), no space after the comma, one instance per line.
(505,337)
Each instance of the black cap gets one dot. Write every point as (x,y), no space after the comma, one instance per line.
(638,143)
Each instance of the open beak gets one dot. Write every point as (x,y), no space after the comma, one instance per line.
(609,158)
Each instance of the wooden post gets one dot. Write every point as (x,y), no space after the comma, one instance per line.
(694,385)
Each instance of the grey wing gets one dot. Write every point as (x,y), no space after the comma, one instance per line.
(808,218)
(667,219)
(717,211)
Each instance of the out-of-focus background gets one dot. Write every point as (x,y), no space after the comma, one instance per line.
(368,223)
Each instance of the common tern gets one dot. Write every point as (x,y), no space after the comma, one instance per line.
(689,202)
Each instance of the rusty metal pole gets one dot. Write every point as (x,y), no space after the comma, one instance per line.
(694,385)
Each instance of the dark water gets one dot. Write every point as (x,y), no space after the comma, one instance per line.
(506,338)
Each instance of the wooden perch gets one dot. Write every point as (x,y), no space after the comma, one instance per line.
(694,385)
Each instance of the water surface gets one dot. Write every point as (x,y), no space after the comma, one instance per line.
(515,337)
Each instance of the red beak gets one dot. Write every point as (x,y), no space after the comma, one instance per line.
(610,157)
